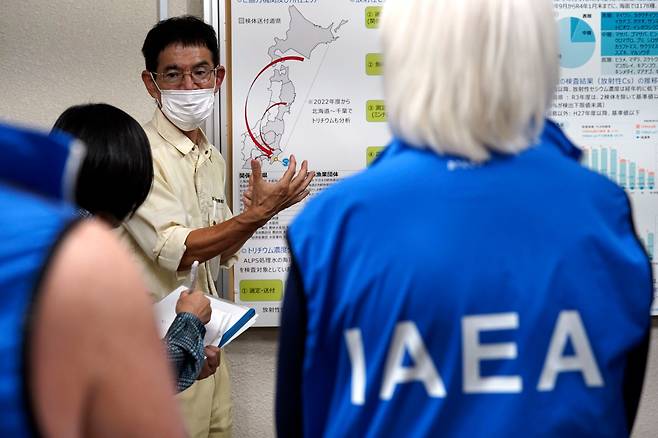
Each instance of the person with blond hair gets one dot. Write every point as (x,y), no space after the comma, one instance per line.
(476,280)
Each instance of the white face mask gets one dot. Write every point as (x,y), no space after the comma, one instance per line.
(187,109)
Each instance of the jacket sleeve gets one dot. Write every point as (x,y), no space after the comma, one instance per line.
(184,341)
(159,225)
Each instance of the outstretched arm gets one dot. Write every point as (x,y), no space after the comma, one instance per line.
(265,200)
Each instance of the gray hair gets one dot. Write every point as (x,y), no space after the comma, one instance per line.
(467,77)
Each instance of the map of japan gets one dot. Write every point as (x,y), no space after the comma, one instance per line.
(266,125)
(301,83)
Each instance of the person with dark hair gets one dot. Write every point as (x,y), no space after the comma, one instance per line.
(185,31)
(115,177)
(117,172)
(186,216)
(77,330)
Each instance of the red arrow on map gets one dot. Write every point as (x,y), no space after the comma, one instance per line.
(265,148)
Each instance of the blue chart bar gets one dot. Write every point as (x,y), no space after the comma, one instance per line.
(629,34)
(595,159)
(613,164)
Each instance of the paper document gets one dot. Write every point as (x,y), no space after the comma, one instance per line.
(227,322)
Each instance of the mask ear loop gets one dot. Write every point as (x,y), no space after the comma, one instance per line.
(159,104)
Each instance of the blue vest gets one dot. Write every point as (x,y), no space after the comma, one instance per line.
(30,228)
(446,298)
(47,165)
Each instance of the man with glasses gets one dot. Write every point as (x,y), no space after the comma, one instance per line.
(186,216)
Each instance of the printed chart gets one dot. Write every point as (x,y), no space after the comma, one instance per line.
(606,99)
(577,42)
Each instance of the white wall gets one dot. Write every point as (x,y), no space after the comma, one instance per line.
(64,52)
(253,365)
(58,53)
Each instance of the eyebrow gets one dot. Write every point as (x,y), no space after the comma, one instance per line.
(177,67)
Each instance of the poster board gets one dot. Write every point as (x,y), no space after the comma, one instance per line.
(305,79)
(607,99)
(299,85)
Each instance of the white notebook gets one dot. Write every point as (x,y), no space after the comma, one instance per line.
(227,321)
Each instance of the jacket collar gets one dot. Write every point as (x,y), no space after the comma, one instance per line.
(553,134)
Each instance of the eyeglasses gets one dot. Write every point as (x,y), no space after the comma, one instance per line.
(200,75)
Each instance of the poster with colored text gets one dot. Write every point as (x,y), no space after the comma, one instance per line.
(607,98)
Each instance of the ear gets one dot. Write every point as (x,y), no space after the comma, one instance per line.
(149,83)
(221,73)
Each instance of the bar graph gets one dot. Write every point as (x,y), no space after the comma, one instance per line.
(627,173)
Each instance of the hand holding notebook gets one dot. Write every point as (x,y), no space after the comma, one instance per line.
(227,321)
